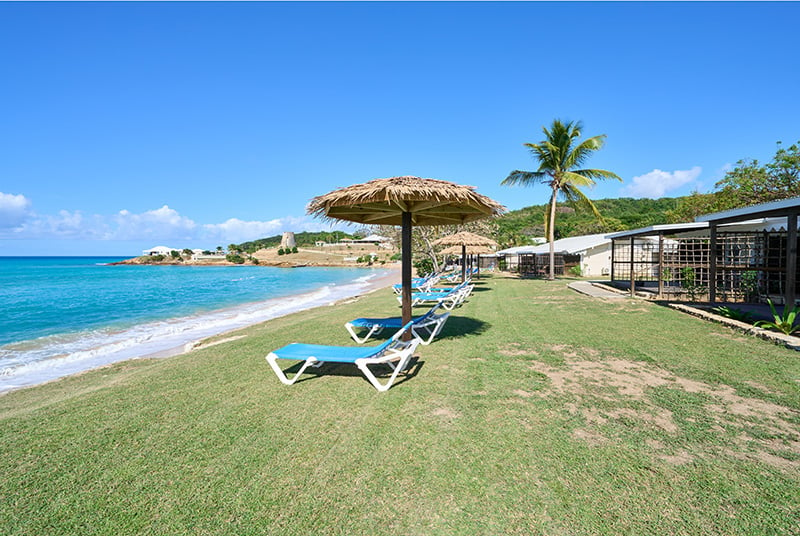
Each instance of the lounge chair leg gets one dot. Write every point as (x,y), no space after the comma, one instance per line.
(272,360)
(374,381)
(375,330)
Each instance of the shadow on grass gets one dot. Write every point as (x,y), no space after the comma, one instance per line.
(456,326)
(350,370)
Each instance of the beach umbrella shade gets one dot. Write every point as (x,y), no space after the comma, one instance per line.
(405,201)
(465,239)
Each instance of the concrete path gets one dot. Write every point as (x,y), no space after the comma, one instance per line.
(586,287)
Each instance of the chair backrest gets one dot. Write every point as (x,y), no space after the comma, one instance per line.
(428,314)
(399,334)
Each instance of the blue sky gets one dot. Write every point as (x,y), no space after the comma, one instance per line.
(130,125)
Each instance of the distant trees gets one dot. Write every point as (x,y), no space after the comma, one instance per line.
(749,183)
(560,156)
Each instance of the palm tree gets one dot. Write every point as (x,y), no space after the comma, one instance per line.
(560,156)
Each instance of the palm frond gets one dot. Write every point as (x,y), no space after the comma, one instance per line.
(524,178)
(601,174)
(575,179)
(580,153)
(578,199)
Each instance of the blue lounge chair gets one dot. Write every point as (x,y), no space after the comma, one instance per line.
(429,325)
(418,284)
(449,299)
(394,353)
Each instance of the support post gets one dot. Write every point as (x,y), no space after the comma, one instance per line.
(791,260)
(406,271)
(712,263)
(660,265)
(633,275)
(463,263)
(613,247)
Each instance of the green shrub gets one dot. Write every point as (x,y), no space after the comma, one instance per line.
(281,251)
(733,313)
(234,258)
(294,249)
(423,266)
(576,271)
(784,323)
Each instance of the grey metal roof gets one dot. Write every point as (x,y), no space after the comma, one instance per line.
(764,210)
(570,246)
(660,229)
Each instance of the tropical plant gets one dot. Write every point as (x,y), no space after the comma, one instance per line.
(749,284)
(733,313)
(784,323)
(560,156)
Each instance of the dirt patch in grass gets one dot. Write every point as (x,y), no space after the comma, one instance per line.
(616,391)
(516,349)
(445,413)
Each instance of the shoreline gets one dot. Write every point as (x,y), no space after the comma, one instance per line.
(371,286)
(187,333)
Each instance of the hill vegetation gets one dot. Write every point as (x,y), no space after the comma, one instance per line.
(518,227)
(302,239)
(748,183)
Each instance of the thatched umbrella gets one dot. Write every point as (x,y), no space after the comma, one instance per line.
(405,201)
(465,239)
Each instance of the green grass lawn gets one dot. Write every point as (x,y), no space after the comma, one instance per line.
(537,411)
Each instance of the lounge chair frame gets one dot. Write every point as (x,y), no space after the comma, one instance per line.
(394,352)
(425,328)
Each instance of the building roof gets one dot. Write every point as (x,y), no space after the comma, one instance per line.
(696,228)
(782,207)
(569,246)
(374,238)
(670,228)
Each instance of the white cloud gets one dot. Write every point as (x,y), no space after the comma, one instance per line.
(14,210)
(657,183)
(160,224)
(64,225)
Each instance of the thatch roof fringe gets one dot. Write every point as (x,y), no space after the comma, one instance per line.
(464,238)
(381,201)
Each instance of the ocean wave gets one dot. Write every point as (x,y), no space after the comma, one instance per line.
(37,361)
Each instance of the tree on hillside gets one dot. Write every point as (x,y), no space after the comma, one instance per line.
(749,183)
(560,156)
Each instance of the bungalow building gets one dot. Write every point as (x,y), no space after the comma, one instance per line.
(747,254)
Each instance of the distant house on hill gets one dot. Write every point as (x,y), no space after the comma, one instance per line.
(159,250)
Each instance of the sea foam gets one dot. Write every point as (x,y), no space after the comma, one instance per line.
(37,361)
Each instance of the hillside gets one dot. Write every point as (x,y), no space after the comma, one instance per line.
(516,227)
(519,226)
(303,239)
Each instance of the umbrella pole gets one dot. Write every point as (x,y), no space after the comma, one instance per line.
(463,263)
(405,240)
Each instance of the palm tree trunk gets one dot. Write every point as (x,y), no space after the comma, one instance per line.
(551,234)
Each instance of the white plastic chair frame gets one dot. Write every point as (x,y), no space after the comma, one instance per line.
(396,355)
(431,323)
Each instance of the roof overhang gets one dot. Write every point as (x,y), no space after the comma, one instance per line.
(773,209)
(656,230)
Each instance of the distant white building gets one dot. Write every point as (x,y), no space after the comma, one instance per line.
(159,250)
(594,252)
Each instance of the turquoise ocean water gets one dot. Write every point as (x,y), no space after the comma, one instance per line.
(62,315)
